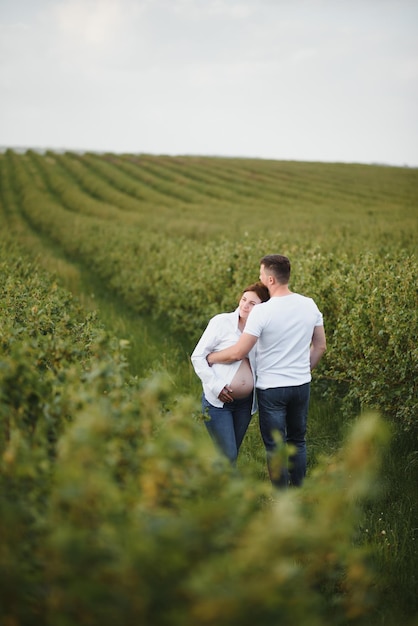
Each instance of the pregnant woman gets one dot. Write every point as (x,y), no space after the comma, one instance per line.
(228,397)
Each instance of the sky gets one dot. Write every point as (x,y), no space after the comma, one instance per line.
(304,80)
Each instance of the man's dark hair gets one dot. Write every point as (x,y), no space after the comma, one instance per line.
(278,265)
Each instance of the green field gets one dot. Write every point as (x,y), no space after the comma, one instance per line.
(111,267)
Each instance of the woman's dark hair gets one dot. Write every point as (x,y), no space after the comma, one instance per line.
(260,289)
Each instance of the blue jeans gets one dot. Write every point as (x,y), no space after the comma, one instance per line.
(227,425)
(285,410)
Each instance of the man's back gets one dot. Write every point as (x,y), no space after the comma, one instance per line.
(284,326)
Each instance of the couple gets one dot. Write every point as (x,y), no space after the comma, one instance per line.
(279,336)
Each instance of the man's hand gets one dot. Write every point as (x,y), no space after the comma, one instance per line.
(318,346)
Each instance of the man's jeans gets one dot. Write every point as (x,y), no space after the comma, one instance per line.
(228,425)
(285,410)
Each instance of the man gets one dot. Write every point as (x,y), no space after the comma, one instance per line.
(291,341)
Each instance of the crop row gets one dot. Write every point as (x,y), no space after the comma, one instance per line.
(326,204)
(368,299)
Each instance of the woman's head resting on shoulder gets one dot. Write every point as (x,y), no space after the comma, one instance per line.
(256,293)
(259,289)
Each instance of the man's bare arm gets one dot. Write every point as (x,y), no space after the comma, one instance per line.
(235,352)
(318,345)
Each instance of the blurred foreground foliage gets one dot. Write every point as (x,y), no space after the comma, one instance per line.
(114,511)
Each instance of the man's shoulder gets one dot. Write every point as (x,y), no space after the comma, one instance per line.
(304,298)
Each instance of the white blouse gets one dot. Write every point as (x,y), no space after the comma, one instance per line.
(221,332)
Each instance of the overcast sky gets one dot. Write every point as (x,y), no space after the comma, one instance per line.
(316,80)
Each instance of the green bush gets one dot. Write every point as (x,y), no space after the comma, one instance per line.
(113,508)
(369,304)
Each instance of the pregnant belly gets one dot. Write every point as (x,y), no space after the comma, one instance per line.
(243,383)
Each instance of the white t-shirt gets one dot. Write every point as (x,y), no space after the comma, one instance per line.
(221,332)
(284,326)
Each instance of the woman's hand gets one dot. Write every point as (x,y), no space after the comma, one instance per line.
(226,394)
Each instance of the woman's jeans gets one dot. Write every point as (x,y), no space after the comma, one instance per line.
(285,410)
(228,425)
